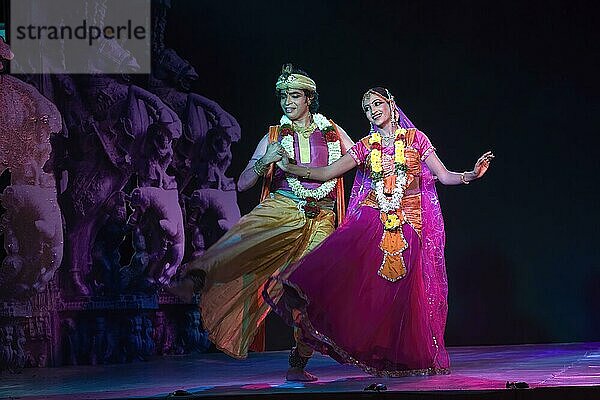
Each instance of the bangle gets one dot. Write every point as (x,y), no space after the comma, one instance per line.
(307,176)
(259,167)
(462,178)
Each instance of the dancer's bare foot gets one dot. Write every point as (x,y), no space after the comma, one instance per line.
(182,288)
(299,375)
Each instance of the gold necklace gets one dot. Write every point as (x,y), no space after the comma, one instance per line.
(305,131)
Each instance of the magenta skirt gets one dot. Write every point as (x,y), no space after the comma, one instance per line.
(347,311)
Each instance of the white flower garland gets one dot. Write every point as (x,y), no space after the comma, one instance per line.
(334,153)
(394,202)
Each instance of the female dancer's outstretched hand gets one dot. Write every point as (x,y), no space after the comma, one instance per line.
(482,164)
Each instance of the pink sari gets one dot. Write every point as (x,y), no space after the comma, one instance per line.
(346,310)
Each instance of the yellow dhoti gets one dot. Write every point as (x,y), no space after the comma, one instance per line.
(262,244)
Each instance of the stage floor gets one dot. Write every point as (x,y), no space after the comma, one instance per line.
(479,369)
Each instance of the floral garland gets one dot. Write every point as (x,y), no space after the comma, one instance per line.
(334,153)
(393,204)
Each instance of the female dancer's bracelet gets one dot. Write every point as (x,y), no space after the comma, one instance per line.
(462,178)
(307,175)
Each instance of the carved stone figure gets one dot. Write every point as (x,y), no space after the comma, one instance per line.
(6,350)
(102,345)
(133,339)
(32,225)
(163,339)
(32,228)
(19,355)
(211,213)
(104,150)
(193,338)
(133,275)
(69,342)
(106,249)
(147,337)
(158,215)
(156,158)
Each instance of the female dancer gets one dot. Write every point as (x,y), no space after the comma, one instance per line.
(374,292)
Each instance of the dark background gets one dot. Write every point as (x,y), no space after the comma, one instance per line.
(518,78)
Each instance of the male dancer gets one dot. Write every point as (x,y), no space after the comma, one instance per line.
(294,216)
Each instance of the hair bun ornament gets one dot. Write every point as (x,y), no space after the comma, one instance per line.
(287,68)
